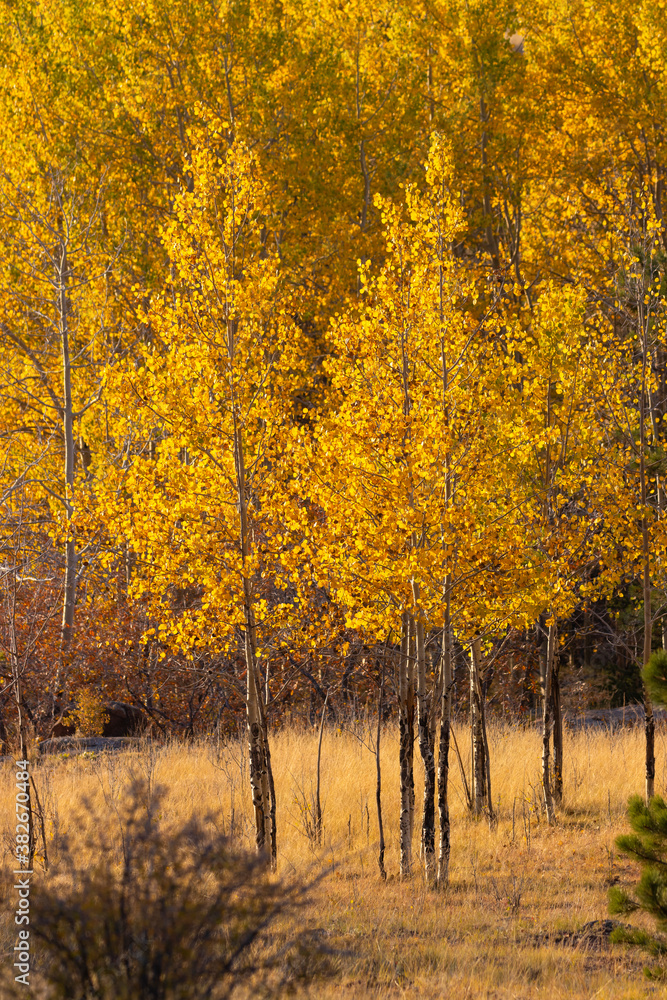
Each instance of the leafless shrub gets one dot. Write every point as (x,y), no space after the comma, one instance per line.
(164,915)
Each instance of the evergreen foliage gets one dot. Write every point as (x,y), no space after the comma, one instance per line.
(647,845)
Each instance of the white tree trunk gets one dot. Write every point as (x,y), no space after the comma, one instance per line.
(405,761)
(69,594)
(477,733)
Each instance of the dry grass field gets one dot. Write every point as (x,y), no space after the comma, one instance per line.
(512,923)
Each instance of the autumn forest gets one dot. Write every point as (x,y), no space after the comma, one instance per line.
(334,376)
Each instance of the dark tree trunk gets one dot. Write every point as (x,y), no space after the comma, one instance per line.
(557,732)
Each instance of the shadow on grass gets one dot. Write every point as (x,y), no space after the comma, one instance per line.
(164,915)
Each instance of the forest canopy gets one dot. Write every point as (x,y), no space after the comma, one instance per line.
(333,335)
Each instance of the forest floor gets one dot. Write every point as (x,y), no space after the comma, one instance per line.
(524,915)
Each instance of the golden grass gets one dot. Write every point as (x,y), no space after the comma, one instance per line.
(513,888)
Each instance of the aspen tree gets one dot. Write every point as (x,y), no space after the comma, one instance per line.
(433,403)
(607,147)
(413,379)
(556,383)
(219,390)
(478,74)
(447,674)
(53,332)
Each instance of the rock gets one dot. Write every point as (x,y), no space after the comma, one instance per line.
(592,936)
(124,719)
(61,729)
(88,744)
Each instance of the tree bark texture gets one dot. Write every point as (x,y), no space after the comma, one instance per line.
(69,592)
(412,659)
(547,721)
(405,758)
(427,749)
(269,772)
(318,804)
(261,774)
(257,755)
(649,723)
(487,763)
(478,749)
(378,783)
(557,732)
(443,754)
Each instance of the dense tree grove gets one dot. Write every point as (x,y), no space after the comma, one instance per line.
(334,343)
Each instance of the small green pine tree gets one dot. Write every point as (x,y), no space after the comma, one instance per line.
(648,846)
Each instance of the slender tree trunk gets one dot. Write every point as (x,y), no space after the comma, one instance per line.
(488,220)
(443,751)
(269,773)
(268,786)
(261,776)
(363,162)
(547,723)
(408,624)
(18,693)
(318,806)
(405,761)
(660,494)
(69,595)
(411,727)
(268,791)
(649,718)
(447,680)
(69,589)
(649,722)
(472,722)
(20,711)
(557,732)
(477,733)
(3,729)
(487,761)
(427,751)
(365,172)
(257,757)
(378,783)
(481,768)
(542,653)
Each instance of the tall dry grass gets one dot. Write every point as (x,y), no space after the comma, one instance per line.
(514,887)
